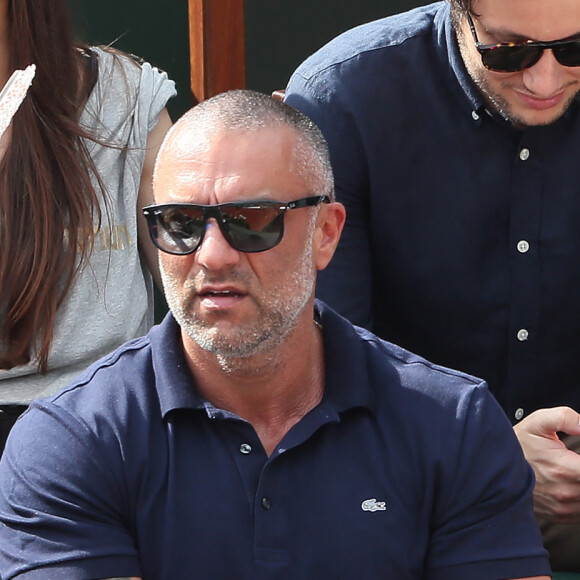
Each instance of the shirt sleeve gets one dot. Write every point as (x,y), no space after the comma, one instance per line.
(155,89)
(483,522)
(347,282)
(60,514)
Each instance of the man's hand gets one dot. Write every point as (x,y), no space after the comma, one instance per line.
(557,469)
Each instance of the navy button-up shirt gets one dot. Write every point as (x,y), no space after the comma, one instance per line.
(462,240)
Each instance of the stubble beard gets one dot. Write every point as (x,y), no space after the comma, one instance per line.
(503,107)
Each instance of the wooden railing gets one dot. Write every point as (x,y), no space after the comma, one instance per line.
(217,46)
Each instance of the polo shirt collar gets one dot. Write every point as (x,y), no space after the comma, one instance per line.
(346,385)
(175,386)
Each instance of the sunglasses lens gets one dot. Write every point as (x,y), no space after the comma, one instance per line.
(511,58)
(568,54)
(253,229)
(178,231)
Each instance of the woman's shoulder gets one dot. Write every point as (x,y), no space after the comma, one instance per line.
(113,63)
(121,71)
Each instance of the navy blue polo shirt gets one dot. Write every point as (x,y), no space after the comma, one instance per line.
(405,470)
(462,240)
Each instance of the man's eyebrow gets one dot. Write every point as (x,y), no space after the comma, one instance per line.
(502,34)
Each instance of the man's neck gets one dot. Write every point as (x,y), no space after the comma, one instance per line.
(272,390)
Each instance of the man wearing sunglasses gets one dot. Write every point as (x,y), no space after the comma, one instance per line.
(454,133)
(255,433)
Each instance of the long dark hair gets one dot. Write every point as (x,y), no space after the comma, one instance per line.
(47,202)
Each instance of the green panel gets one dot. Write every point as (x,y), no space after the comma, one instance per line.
(281,34)
(152,29)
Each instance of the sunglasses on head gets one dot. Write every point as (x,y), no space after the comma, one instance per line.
(513,57)
(248,226)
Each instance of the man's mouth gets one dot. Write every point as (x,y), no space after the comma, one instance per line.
(539,103)
(219,299)
(221,293)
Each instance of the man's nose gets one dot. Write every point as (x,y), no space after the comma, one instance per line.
(546,77)
(214,252)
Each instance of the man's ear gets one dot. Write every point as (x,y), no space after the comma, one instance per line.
(329,227)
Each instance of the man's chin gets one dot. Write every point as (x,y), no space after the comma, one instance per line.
(227,346)
(536,118)
(523,116)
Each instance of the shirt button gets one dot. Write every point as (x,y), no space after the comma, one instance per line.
(474,115)
(245,448)
(523,335)
(266,503)
(524,154)
(519,414)
(523,246)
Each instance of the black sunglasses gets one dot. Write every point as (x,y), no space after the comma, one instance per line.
(248,226)
(513,57)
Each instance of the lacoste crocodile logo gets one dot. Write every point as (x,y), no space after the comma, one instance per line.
(372,505)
